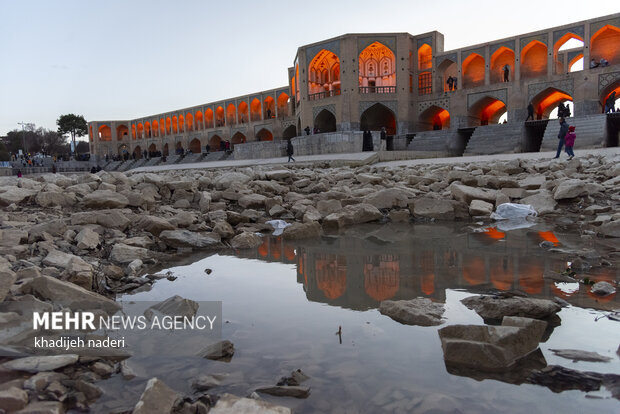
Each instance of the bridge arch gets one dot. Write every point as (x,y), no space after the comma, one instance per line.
(502,57)
(325,121)
(548,100)
(243,112)
(283,100)
(534,60)
(231,114)
(446,69)
(121,132)
(105,133)
(485,111)
(181,123)
(189,122)
(208,118)
(175,124)
(434,118)
(166,150)
(376,117)
(137,151)
(147,129)
(605,43)
(214,142)
(140,130)
(155,125)
(381,276)
(473,71)
(264,135)
(289,132)
(195,146)
(377,66)
(324,72)
(238,138)
(219,116)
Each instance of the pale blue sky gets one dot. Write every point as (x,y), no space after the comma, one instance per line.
(126,59)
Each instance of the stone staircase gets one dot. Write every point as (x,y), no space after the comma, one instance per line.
(172,159)
(112,165)
(215,156)
(496,139)
(152,161)
(126,165)
(191,158)
(431,142)
(591,132)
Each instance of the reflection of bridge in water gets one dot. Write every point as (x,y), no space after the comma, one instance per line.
(390,262)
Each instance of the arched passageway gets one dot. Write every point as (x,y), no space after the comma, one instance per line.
(179,148)
(152,149)
(231,114)
(283,100)
(534,60)
(219,116)
(155,128)
(567,41)
(325,121)
(194,146)
(269,107)
(214,142)
(140,131)
(166,151)
(181,123)
(189,122)
(238,138)
(121,132)
(486,111)
(255,110)
(264,135)
(473,71)
(324,75)
(105,133)
(175,125)
(243,112)
(376,117)
(502,57)
(168,126)
(547,101)
(377,69)
(434,118)
(133,131)
(147,130)
(289,132)
(605,43)
(137,152)
(208,118)
(446,69)
(199,120)
(162,127)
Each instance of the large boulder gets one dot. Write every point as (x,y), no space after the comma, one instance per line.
(228,178)
(55,198)
(467,194)
(68,295)
(231,404)
(418,311)
(87,239)
(13,399)
(15,195)
(610,229)
(186,238)
(543,202)
(388,198)
(491,348)
(105,199)
(327,207)
(154,225)
(252,201)
(297,231)
(480,208)
(125,254)
(352,214)
(62,260)
(431,208)
(570,188)
(156,398)
(246,240)
(496,307)
(36,364)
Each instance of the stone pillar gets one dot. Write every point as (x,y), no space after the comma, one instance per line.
(517,69)
(550,62)
(487,66)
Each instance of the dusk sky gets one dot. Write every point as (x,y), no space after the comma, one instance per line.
(113,59)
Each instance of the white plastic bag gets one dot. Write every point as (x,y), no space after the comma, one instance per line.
(278,225)
(511,211)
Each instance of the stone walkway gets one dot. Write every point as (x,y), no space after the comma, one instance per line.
(360,158)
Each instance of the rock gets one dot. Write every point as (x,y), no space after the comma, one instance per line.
(495,307)
(418,311)
(62,260)
(231,404)
(543,202)
(278,391)
(55,198)
(327,207)
(570,188)
(603,288)
(156,398)
(79,272)
(610,229)
(13,399)
(41,380)
(7,278)
(226,179)
(277,211)
(90,391)
(480,208)
(298,231)
(219,351)
(388,198)
(252,201)
(204,201)
(105,199)
(87,239)
(278,175)
(224,229)
(174,306)
(53,227)
(206,382)
(352,214)
(36,364)
(532,182)
(124,254)
(559,379)
(134,267)
(12,237)
(467,194)
(432,208)
(15,195)
(399,216)
(68,295)
(246,240)
(579,355)
(44,407)
(126,371)
(491,348)
(186,238)
(368,178)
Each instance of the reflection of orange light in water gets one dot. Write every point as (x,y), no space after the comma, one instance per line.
(549,236)
(501,273)
(473,270)
(382,282)
(531,278)
(604,276)
(289,252)
(428,283)
(427,264)
(331,275)
(263,249)
(495,234)
(275,248)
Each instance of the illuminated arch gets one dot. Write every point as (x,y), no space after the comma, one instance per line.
(576,63)
(269,106)
(381,276)
(473,71)
(175,124)
(502,57)
(425,57)
(296,85)
(605,43)
(162,127)
(559,44)
(199,120)
(376,117)
(195,147)
(168,126)
(255,109)
(214,142)
(377,67)
(231,114)
(155,125)
(547,100)
(289,132)
(181,123)
(140,130)
(219,116)
(283,99)
(137,152)
(238,138)
(133,131)
(534,60)
(264,135)
(209,118)
(324,73)
(105,133)
(486,111)
(147,130)
(189,122)
(90,133)
(434,118)
(331,275)
(243,112)
(446,69)
(325,121)
(121,132)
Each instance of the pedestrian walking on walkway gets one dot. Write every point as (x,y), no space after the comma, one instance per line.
(289,151)
(561,137)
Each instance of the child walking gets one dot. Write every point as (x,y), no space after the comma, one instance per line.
(570,142)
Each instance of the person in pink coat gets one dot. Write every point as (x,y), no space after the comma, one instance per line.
(569,142)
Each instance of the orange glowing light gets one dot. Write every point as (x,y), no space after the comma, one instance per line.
(331,275)
(382,281)
(474,270)
(495,234)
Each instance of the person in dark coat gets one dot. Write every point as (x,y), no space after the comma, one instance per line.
(367,141)
(530,112)
(561,137)
(383,134)
(289,151)
(506,73)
